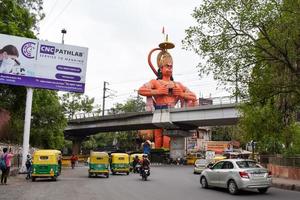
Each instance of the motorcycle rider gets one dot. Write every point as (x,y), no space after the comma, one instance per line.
(145,163)
(136,164)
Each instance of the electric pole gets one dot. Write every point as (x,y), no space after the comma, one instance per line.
(103,101)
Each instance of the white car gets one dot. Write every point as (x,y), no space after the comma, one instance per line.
(200,165)
(236,174)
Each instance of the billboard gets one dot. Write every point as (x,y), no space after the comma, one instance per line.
(42,64)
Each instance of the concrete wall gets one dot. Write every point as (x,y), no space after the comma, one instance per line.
(284,171)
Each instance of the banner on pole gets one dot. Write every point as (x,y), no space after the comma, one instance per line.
(42,64)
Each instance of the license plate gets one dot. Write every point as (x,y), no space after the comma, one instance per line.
(258,175)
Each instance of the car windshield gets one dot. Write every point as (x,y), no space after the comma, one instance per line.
(201,162)
(247,164)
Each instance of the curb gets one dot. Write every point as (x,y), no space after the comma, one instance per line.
(286,186)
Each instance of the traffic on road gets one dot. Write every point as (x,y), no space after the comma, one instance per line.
(169,182)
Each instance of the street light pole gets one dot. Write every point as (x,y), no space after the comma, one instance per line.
(63,31)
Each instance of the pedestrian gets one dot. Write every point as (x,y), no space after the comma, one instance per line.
(28,166)
(73,160)
(6,156)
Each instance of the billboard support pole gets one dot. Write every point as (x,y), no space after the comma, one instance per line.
(26,134)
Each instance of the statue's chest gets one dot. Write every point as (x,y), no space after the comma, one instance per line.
(167,84)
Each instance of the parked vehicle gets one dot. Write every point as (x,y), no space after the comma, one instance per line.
(235,175)
(200,165)
(99,164)
(46,164)
(119,163)
(192,157)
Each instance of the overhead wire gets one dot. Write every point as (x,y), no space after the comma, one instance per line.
(54,19)
(51,9)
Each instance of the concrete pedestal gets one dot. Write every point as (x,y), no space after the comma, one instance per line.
(177,143)
(76,145)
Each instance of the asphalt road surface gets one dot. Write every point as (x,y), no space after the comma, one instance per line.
(165,183)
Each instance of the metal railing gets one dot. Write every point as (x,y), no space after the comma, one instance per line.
(223,100)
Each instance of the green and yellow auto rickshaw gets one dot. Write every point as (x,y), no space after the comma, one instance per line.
(46,164)
(119,163)
(99,164)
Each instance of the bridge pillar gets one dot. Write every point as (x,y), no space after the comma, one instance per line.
(76,145)
(177,143)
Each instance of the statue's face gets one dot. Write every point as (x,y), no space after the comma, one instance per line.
(167,66)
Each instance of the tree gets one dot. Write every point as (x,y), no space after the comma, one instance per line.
(235,35)
(125,139)
(48,121)
(20,18)
(226,133)
(253,46)
(75,102)
(132,105)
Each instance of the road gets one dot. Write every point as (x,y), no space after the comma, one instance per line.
(165,183)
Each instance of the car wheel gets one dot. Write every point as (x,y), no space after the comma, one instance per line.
(232,187)
(203,182)
(262,190)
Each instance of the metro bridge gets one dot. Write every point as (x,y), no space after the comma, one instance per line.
(170,119)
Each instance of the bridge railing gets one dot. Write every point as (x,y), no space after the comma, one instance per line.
(213,101)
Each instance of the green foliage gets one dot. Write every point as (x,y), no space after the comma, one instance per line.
(235,35)
(20,17)
(121,140)
(132,105)
(254,46)
(48,121)
(226,133)
(294,131)
(263,124)
(74,103)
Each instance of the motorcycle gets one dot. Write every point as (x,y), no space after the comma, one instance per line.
(137,168)
(145,173)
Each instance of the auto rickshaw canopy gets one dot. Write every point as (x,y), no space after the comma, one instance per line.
(99,157)
(47,156)
(119,158)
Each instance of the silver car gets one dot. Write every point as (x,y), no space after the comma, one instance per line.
(200,165)
(236,174)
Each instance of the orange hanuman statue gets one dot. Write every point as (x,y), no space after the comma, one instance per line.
(164,91)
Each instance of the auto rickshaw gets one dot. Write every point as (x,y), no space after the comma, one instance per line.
(192,157)
(119,163)
(46,164)
(99,164)
(132,156)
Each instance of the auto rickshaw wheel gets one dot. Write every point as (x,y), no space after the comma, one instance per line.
(33,179)
(127,173)
(107,175)
(90,176)
(54,178)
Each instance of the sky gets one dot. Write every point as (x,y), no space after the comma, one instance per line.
(119,34)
